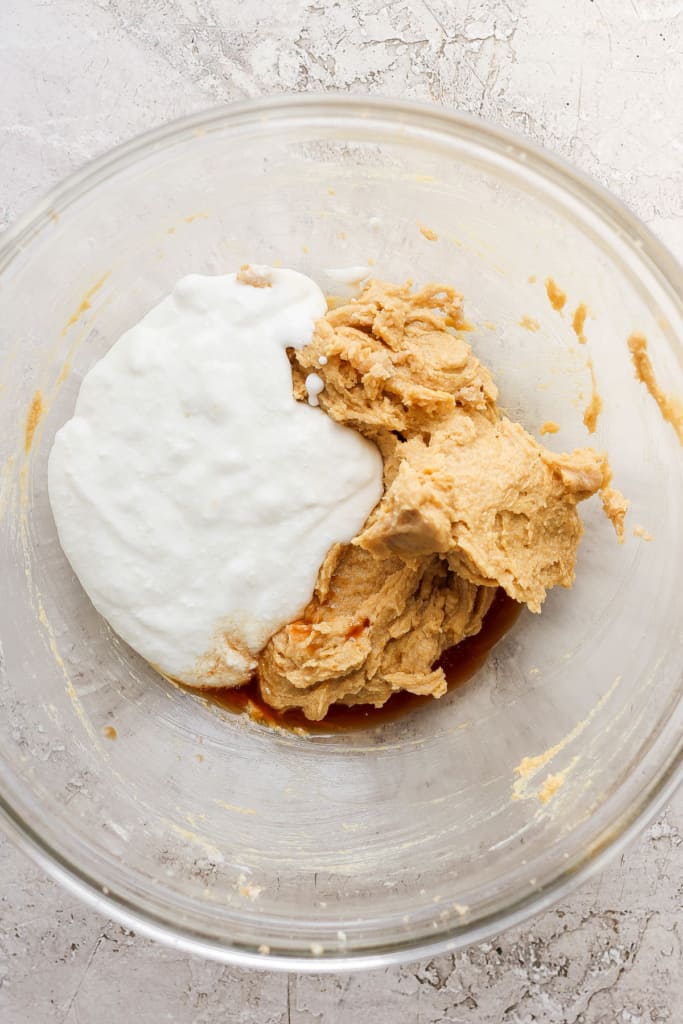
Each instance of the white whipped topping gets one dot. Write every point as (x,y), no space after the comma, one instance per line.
(314,384)
(193,496)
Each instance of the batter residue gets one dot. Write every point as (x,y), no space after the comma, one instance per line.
(594,407)
(670,407)
(555,294)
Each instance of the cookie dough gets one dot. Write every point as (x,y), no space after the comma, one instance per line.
(471,502)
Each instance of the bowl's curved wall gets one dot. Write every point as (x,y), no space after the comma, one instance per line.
(247,842)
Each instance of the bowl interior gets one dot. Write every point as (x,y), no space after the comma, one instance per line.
(434,826)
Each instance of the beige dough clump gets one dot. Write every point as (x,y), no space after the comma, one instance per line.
(374,626)
(472,502)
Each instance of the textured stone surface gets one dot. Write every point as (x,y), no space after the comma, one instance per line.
(598,81)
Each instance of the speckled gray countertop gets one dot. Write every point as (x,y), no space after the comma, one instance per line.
(598,81)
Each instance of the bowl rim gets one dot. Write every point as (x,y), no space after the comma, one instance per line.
(614,836)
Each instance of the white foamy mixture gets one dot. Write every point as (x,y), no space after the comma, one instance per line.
(193,496)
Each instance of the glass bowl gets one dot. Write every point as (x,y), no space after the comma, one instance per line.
(258,846)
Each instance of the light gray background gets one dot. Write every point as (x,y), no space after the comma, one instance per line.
(598,81)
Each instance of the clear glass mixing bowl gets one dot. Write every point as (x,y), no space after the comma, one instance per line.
(260,847)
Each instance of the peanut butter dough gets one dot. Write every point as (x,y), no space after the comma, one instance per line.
(472,502)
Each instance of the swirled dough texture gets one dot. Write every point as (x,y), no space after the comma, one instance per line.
(471,503)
